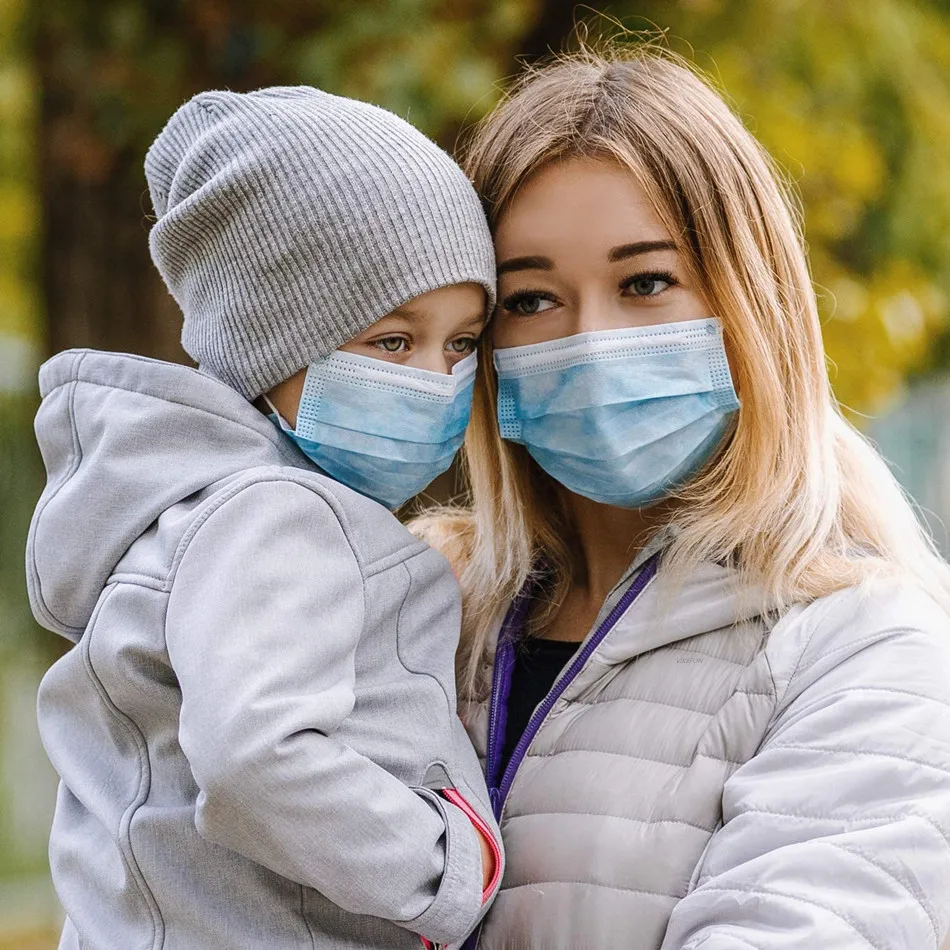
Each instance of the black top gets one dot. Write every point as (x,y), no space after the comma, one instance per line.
(538,663)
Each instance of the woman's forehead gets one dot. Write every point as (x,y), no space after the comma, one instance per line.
(580,202)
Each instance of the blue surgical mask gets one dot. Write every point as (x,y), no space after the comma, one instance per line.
(382,429)
(620,416)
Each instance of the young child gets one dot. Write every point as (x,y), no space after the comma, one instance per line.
(256,730)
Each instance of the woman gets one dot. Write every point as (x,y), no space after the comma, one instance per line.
(706,656)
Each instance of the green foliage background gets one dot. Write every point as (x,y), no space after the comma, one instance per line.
(852,99)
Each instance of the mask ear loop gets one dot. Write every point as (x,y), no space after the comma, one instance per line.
(283,422)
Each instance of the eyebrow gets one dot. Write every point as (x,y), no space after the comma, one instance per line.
(525,263)
(619,253)
(405,311)
(624,251)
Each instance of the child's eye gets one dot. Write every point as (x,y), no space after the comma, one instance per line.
(648,285)
(464,344)
(392,344)
(527,303)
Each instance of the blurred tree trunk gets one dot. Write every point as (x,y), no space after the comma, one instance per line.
(99,286)
(553,25)
(111,72)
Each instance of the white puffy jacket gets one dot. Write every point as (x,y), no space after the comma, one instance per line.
(702,778)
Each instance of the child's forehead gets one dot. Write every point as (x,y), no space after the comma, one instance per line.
(461,304)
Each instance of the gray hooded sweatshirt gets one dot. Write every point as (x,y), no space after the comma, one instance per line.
(256,729)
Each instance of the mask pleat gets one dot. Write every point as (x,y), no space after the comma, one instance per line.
(622,417)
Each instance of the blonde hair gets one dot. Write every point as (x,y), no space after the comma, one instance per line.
(797,499)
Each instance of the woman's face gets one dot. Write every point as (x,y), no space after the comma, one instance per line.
(580,248)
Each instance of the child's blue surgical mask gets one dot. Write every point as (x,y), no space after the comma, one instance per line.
(383,429)
(620,416)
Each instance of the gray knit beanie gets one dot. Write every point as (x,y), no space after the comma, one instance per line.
(290,220)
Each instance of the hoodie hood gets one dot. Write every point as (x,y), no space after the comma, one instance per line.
(124,438)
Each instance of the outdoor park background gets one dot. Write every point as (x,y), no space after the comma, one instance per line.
(852,98)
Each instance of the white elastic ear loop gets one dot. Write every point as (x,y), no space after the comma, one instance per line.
(283,422)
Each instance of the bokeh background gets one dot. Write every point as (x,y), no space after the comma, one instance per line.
(853,99)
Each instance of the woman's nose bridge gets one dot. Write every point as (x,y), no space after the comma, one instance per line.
(593,312)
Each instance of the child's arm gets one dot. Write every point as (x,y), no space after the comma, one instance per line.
(263,620)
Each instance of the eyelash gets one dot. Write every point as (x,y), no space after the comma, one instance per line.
(511,302)
(379,344)
(472,342)
(657,275)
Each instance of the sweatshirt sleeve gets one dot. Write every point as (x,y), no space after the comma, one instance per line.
(835,834)
(263,621)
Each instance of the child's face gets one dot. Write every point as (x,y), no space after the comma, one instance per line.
(433,331)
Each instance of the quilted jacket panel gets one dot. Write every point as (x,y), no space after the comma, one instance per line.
(713,779)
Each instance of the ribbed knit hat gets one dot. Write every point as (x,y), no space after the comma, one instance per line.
(290,220)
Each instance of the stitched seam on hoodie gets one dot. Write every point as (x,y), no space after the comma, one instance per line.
(779,695)
(73,468)
(124,831)
(397,557)
(136,579)
(918,899)
(402,662)
(218,501)
(888,689)
(303,914)
(775,699)
(822,701)
(734,937)
(273,438)
(731,889)
(869,821)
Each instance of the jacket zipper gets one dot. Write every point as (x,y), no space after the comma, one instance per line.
(498,787)
(501,684)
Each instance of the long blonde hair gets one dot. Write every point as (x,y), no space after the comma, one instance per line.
(797,500)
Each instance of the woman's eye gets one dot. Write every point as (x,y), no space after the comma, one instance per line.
(391,344)
(647,285)
(527,305)
(465,344)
